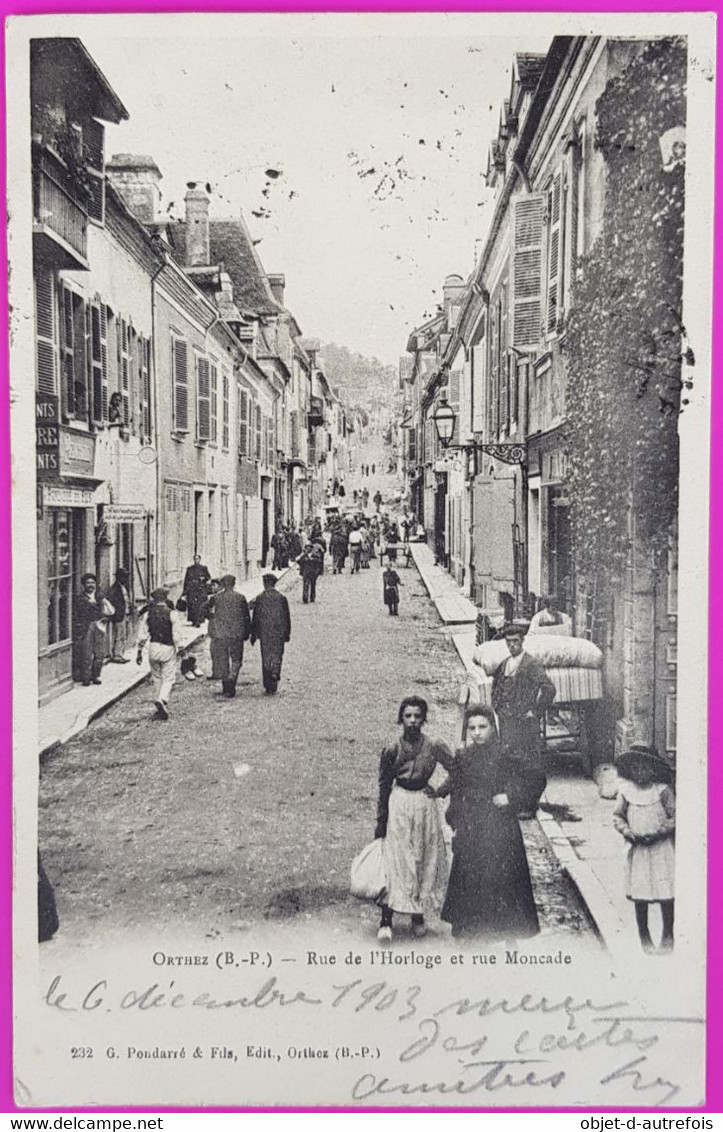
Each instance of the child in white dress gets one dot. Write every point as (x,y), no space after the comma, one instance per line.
(645,816)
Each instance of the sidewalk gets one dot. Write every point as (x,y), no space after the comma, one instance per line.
(70,713)
(575,819)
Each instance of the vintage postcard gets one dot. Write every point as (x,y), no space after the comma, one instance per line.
(360,382)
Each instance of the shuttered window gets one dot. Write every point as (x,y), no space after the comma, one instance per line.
(554,253)
(144,353)
(124,370)
(203,399)
(93,148)
(225,410)
(99,359)
(243,422)
(214,403)
(179,353)
(46,338)
(526,298)
(574,240)
(494,373)
(73,355)
(504,368)
(257,422)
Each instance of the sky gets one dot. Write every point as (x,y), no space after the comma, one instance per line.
(380,143)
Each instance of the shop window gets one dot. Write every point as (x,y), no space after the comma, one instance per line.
(60,576)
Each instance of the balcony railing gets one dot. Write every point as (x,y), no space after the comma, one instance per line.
(57,210)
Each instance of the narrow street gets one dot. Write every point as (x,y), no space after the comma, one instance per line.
(146,824)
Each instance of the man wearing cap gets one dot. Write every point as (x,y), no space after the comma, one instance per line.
(271,626)
(231,627)
(90,616)
(161,626)
(521,694)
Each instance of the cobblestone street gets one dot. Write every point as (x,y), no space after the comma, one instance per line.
(145,824)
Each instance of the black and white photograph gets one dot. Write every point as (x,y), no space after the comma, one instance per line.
(360,389)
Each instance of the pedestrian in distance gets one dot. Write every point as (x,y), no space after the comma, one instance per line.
(374,469)
(408,820)
(391,583)
(119,596)
(378,500)
(339,547)
(310,566)
(90,619)
(489,895)
(232,626)
(645,816)
(521,694)
(161,626)
(356,541)
(271,627)
(195,590)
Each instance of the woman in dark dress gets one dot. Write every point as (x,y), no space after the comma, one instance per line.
(489,894)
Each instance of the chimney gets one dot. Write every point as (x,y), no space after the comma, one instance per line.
(137,178)
(198,251)
(277,283)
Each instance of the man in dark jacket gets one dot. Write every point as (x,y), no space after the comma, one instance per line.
(90,616)
(195,590)
(231,627)
(521,694)
(119,596)
(310,566)
(271,626)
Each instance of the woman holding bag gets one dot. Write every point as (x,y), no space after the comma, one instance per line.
(408,820)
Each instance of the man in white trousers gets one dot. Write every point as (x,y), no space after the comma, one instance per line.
(161,626)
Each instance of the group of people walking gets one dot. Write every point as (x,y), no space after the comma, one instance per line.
(230,625)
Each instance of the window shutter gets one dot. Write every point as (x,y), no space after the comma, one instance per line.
(45,334)
(453,389)
(180,385)
(214,403)
(103,312)
(203,399)
(554,253)
(225,411)
(479,381)
(575,167)
(124,371)
(100,404)
(258,432)
(68,353)
(494,373)
(243,422)
(144,352)
(526,297)
(504,365)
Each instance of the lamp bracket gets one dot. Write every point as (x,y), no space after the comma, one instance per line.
(506,453)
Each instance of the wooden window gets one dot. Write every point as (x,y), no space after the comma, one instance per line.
(60,574)
(46,337)
(243,422)
(575,205)
(494,373)
(214,403)
(225,410)
(554,252)
(203,399)
(73,355)
(93,145)
(179,354)
(526,276)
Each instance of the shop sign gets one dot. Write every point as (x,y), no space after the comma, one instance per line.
(47,429)
(124,513)
(67,496)
(77,453)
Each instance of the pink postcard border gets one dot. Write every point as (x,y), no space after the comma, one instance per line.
(714,1094)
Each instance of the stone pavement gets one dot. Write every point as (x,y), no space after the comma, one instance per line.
(576,819)
(70,713)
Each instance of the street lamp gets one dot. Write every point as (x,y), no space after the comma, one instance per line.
(445,422)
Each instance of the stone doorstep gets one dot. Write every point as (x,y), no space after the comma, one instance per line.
(73,721)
